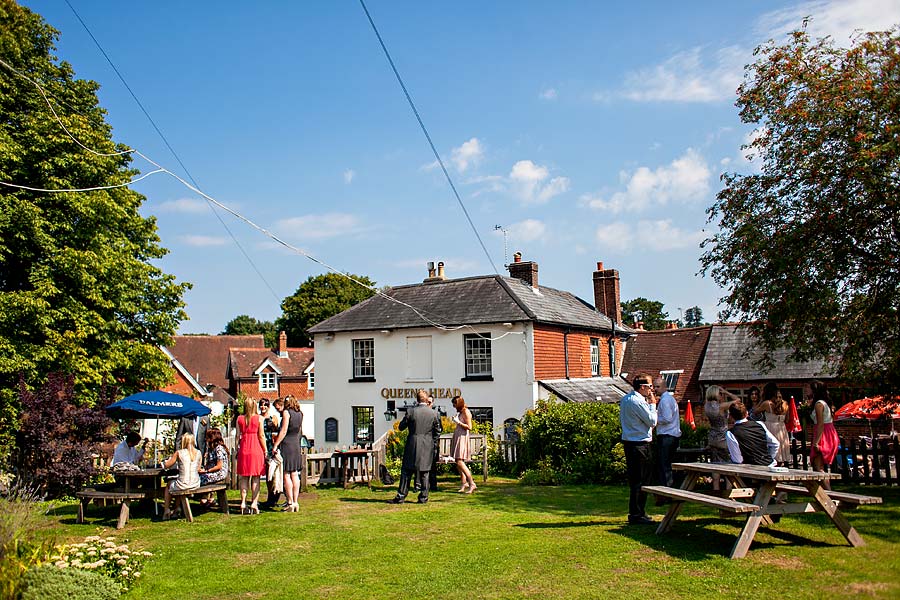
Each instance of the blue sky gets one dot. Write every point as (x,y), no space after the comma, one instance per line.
(589,133)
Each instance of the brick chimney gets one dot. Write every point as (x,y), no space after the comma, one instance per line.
(282,345)
(606,293)
(527,271)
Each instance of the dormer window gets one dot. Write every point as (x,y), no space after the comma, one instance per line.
(311,380)
(268,382)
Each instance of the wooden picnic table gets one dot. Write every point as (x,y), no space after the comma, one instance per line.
(148,480)
(133,485)
(354,466)
(759,484)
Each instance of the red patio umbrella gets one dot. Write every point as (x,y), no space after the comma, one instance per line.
(792,422)
(870,408)
(689,416)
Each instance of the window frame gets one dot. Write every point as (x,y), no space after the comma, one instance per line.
(268,376)
(670,384)
(360,371)
(356,412)
(311,380)
(485,339)
(595,357)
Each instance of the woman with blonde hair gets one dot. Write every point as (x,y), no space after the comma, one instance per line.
(716,408)
(459,444)
(188,459)
(289,441)
(251,455)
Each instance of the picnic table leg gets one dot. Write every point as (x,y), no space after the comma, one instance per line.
(222,496)
(123,514)
(829,507)
(763,495)
(81,506)
(689,482)
(186,507)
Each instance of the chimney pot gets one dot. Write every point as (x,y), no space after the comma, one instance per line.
(440,272)
(517,257)
(527,271)
(599,265)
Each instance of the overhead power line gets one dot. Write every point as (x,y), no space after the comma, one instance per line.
(412,105)
(172,150)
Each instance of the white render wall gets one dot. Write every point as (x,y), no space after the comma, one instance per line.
(512,391)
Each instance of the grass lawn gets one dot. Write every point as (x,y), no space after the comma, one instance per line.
(504,541)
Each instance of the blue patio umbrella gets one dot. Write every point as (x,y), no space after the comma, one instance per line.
(156,404)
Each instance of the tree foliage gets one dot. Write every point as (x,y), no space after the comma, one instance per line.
(79,292)
(247,325)
(808,246)
(693,317)
(57,438)
(318,298)
(650,312)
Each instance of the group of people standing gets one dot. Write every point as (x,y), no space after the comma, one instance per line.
(758,435)
(268,442)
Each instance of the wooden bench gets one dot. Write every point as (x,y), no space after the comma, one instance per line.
(680,495)
(845,500)
(88,495)
(183,495)
(478,451)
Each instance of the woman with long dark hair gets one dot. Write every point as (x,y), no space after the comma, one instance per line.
(825,438)
(771,412)
(459,444)
(289,441)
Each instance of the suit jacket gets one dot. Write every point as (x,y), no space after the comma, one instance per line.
(424,426)
(186,425)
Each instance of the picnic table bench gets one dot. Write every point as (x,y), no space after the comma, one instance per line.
(88,495)
(845,500)
(182,496)
(478,451)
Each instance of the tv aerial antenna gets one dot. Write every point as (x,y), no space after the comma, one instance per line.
(505,243)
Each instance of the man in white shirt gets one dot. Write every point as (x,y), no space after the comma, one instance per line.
(668,431)
(749,442)
(127,450)
(637,416)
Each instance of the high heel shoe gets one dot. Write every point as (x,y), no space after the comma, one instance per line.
(254,509)
(243,508)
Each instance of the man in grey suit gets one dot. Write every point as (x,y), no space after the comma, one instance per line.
(197,427)
(418,457)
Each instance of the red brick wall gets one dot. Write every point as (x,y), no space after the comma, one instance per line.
(181,385)
(550,353)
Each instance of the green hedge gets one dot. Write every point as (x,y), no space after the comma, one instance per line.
(572,443)
(48,582)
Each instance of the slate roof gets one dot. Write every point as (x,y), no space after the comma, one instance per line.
(728,359)
(608,390)
(206,356)
(468,301)
(243,362)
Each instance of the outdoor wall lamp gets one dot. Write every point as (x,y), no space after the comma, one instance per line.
(391,413)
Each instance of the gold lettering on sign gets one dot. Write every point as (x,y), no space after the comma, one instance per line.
(437,393)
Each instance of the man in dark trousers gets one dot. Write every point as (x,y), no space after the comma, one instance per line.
(424,426)
(197,427)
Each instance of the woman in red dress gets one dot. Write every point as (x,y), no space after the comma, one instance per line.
(825,438)
(251,455)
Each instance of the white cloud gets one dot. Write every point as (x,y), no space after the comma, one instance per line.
(349,176)
(185,205)
(688,77)
(548,94)
(469,154)
(202,241)
(320,227)
(837,18)
(528,230)
(685,179)
(527,181)
(614,237)
(661,236)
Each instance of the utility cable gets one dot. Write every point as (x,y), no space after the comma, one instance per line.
(427,136)
(172,150)
(239,216)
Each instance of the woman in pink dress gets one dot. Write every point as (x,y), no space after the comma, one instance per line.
(459,445)
(825,438)
(251,454)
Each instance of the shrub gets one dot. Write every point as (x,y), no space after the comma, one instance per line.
(104,557)
(691,438)
(578,442)
(56,439)
(52,583)
(20,547)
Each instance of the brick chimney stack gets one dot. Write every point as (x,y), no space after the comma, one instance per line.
(282,345)
(606,293)
(527,271)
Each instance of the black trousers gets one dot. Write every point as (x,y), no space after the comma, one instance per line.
(421,480)
(666,446)
(639,467)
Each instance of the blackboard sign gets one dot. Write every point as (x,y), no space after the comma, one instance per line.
(331,429)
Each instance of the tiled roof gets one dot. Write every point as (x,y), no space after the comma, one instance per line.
(472,301)
(244,362)
(731,354)
(608,390)
(206,356)
(669,350)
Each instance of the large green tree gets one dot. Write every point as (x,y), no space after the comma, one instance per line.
(808,246)
(79,293)
(650,312)
(247,325)
(318,298)
(693,317)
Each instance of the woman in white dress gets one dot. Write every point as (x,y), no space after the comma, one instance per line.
(771,411)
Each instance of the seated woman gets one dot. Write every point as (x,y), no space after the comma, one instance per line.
(215,463)
(188,459)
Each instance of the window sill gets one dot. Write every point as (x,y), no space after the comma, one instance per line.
(478,378)
(361,380)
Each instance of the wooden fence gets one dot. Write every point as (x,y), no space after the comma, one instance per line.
(859,460)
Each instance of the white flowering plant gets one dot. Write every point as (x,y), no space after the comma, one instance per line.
(102,555)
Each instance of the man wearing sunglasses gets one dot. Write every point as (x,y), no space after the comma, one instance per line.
(637,415)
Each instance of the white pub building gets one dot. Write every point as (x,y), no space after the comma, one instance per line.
(500,342)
